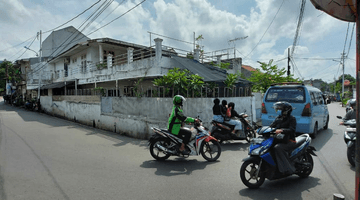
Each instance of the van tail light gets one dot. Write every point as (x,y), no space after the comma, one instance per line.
(307,111)
(263,109)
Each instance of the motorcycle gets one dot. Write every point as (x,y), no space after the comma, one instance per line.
(223,131)
(350,139)
(164,144)
(260,163)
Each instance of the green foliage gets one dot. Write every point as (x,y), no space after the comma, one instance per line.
(347,77)
(137,92)
(272,74)
(101,65)
(182,81)
(101,90)
(231,79)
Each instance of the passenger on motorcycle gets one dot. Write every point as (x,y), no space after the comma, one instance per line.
(231,121)
(351,114)
(218,111)
(175,122)
(285,124)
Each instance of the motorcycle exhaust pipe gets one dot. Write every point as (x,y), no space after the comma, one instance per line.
(164,149)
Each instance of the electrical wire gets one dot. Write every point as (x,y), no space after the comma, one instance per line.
(118,17)
(52,29)
(73,17)
(26,49)
(104,25)
(77,33)
(266,29)
(352,32)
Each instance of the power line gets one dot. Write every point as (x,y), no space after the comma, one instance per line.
(100,27)
(53,28)
(77,33)
(352,32)
(73,18)
(266,29)
(297,36)
(118,17)
(26,49)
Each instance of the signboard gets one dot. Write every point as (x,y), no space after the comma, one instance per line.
(341,9)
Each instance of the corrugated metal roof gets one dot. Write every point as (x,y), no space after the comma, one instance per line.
(208,72)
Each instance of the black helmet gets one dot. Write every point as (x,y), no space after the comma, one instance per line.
(284,106)
(178,100)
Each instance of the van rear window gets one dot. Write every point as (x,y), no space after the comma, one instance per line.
(291,95)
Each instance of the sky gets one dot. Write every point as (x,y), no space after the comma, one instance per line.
(264,29)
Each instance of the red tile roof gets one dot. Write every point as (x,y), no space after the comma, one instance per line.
(247,67)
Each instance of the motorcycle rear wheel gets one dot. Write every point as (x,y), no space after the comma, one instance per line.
(306,158)
(208,149)
(351,155)
(248,172)
(157,153)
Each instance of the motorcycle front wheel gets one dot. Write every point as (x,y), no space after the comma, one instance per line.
(211,150)
(251,175)
(351,155)
(157,153)
(250,134)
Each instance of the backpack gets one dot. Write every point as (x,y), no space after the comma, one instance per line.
(228,113)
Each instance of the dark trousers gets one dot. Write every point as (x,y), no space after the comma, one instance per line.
(282,152)
(184,135)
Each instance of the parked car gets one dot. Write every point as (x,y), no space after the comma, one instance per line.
(348,107)
(310,109)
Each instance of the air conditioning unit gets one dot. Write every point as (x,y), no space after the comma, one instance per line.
(67,60)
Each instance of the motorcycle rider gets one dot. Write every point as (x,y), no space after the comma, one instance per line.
(285,124)
(351,114)
(175,122)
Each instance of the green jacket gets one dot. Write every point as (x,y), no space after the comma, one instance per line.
(175,120)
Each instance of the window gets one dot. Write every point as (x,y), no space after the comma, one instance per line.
(74,60)
(291,95)
(313,99)
(83,63)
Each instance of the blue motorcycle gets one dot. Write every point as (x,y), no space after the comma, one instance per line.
(260,163)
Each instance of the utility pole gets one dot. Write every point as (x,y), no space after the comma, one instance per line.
(288,71)
(40,52)
(343,67)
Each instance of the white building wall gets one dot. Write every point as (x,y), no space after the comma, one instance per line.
(135,116)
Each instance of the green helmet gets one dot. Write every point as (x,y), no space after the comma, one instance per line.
(178,100)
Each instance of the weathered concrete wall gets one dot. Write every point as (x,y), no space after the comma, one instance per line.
(135,116)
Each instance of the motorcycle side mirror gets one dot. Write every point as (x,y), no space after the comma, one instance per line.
(339,117)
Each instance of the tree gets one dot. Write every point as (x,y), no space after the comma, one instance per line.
(181,81)
(272,74)
(13,74)
(347,77)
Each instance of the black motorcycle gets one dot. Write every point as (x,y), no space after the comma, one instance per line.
(350,139)
(224,131)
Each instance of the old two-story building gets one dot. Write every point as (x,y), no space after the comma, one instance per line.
(72,75)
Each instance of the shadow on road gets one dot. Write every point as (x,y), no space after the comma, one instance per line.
(321,139)
(235,146)
(179,166)
(287,188)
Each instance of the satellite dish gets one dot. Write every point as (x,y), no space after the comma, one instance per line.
(341,9)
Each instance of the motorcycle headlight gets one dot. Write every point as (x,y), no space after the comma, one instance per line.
(256,151)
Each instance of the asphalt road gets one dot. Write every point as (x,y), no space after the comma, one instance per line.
(43,157)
